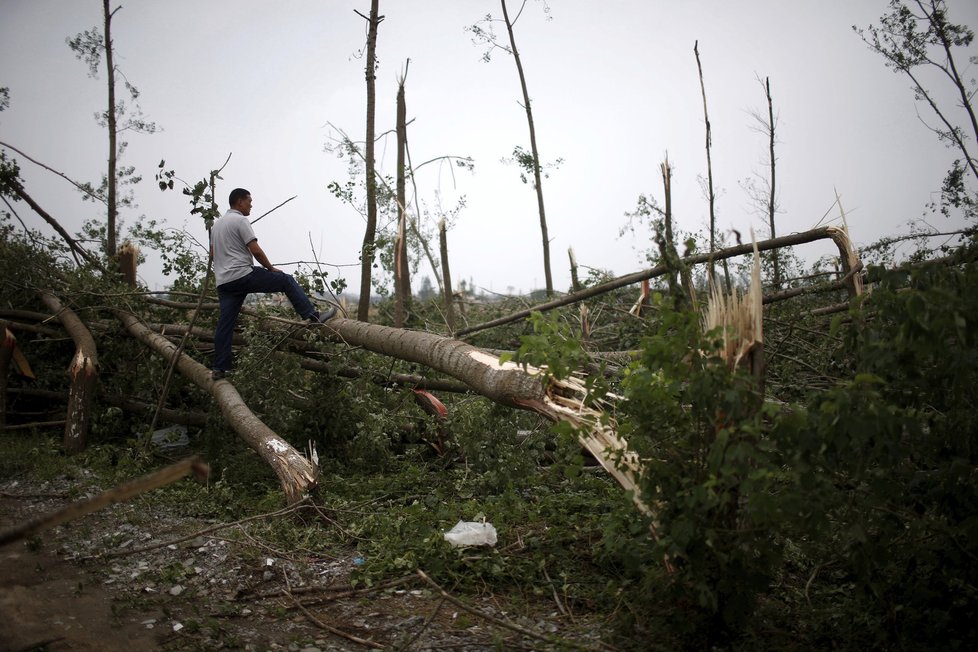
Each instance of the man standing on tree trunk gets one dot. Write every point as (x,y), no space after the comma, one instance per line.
(233,244)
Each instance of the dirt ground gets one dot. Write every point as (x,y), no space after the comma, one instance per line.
(163,588)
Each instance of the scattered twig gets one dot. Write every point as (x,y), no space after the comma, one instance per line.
(424,626)
(329,628)
(335,594)
(199,533)
(560,605)
(501,623)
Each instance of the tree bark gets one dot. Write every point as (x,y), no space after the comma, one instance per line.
(537,181)
(83,373)
(295,472)
(367,250)
(507,384)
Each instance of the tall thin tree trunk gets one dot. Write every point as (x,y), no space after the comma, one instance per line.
(711,196)
(446,277)
(402,278)
(367,250)
(533,150)
(110,116)
(772,201)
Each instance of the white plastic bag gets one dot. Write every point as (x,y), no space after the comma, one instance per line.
(470,533)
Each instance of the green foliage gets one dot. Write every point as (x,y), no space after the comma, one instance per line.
(528,166)
(551,345)
(709,470)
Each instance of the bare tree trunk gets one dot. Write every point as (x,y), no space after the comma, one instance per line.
(711,195)
(402,278)
(533,149)
(295,472)
(446,277)
(367,250)
(772,200)
(110,117)
(83,373)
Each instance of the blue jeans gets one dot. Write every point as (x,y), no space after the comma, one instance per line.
(231,296)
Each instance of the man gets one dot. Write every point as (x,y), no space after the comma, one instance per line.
(233,244)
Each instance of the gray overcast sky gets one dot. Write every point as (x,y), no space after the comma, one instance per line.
(614,87)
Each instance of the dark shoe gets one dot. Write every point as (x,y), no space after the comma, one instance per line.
(324,316)
(217,374)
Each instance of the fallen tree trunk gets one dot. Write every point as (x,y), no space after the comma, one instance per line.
(322,366)
(83,373)
(295,472)
(837,235)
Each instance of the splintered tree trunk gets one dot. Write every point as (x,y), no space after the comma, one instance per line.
(367,250)
(505,383)
(402,277)
(295,472)
(83,373)
(575,282)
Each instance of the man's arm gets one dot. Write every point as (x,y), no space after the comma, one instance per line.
(260,256)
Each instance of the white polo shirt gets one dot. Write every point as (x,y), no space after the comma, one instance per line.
(230,236)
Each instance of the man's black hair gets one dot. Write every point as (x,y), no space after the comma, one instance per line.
(236,195)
